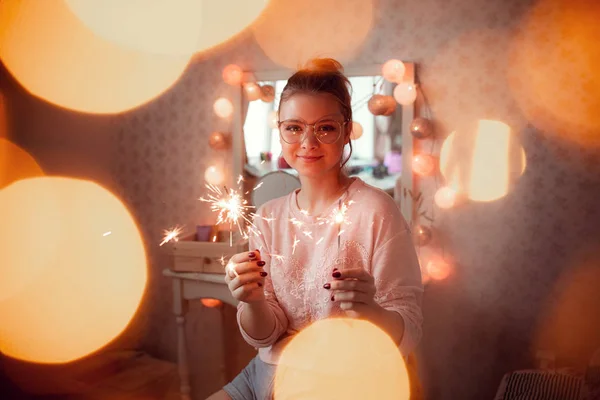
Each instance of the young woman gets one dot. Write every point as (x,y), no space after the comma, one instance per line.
(298,272)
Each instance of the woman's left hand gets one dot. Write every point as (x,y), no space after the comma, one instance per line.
(354,289)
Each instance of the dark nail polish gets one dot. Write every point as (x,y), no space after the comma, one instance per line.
(251,255)
(263,274)
(327,286)
(259,284)
(257,250)
(261,263)
(332,298)
(335,269)
(337,274)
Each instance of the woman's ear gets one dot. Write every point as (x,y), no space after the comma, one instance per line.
(348,133)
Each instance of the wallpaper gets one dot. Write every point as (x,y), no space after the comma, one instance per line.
(511,256)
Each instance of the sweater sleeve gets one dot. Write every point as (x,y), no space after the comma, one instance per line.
(395,268)
(260,241)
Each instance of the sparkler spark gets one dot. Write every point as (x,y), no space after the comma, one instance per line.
(277,257)
(338,216)
(231,207)
(308,234)
(230,267)
(269,219)
(296,222)
(296,241)
(171,235)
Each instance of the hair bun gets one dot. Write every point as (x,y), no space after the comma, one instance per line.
(324,65)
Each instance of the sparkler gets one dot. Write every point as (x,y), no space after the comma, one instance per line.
(232,209)
(171,235)
(338,217)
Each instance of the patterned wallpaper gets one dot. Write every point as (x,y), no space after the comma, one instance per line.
(510,254)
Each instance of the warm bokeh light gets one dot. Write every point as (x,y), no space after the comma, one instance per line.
(16,163)
(423,164)
(168,27)
(81,71)
(341,358)
(423,235)
(553,72)
(393,71)
(482,163)
(93,271)
(292,32)
(223,107)
(163,27)
(253,91)
(214,176)
(405,93)
(232,74)
(357,131)
(438,268)
(219,140)
(570,322)
(22,213)
(223,19)
(445,197)
(211,303)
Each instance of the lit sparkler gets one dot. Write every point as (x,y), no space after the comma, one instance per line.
(171,235)
(231,207)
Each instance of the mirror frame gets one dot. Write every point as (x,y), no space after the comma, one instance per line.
(406,179)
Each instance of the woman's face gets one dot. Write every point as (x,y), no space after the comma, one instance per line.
(310,157)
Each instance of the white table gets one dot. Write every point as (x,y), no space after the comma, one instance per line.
(192,286)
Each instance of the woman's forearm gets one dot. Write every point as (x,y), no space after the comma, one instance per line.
(391,322)
(258,320)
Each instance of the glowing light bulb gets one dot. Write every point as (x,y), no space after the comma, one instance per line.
(357,130)
(393,71)
(214,176)
(223,107)
(405,93)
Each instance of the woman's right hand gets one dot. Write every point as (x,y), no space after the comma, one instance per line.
(245,277)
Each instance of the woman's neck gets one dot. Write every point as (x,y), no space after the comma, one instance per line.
(317,194)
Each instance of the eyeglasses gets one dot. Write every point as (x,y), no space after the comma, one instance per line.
(326,131)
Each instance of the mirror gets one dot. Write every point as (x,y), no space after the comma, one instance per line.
(385,140)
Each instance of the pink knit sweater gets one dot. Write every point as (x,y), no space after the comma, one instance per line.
(301,251)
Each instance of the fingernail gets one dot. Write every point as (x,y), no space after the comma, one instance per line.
(261,263)
(335,269)
(257,250)
(263,274)
(259,284)
(332,298)
(337,274)
(251,255)
(327,286)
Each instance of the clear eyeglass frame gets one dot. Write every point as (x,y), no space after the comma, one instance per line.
(318,135)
